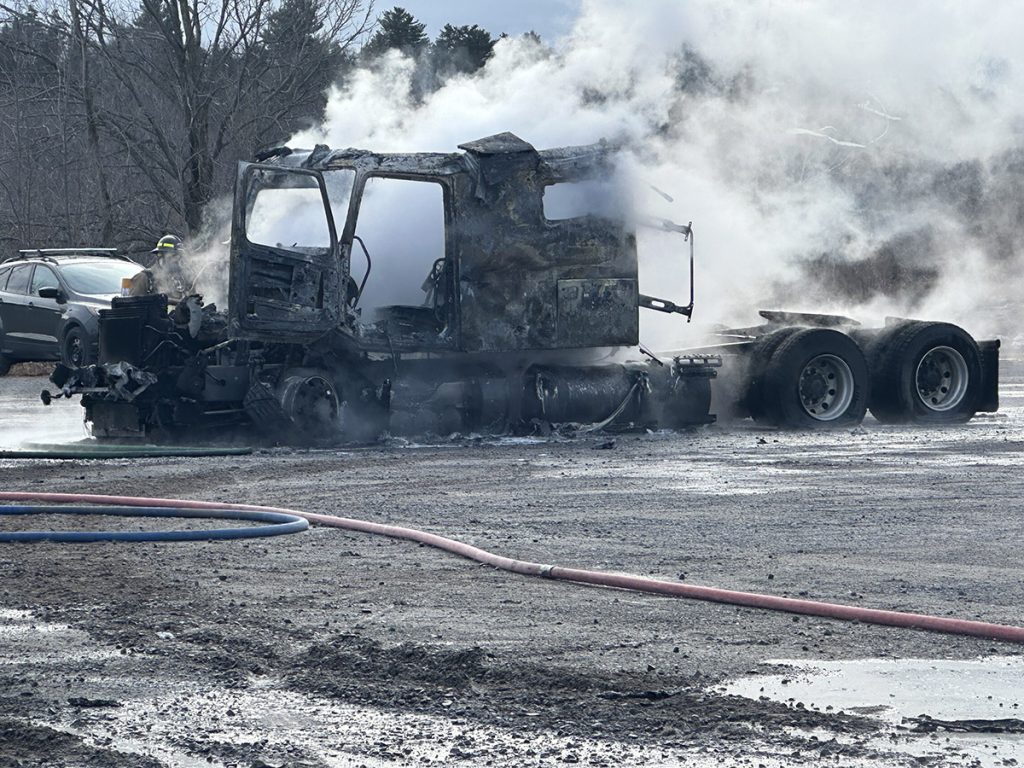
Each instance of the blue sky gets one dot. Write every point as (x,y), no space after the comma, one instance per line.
(549,18)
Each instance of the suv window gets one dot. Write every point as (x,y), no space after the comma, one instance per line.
(98,278)
(18,281)
(43,278)
(3,277)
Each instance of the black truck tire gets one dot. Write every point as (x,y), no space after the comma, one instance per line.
(924,373)
(817,378)
(5,365)
(757,366)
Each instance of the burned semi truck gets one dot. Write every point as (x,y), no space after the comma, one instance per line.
(519,320)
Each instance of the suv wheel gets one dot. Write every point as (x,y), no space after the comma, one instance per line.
(75,352)
(5,365)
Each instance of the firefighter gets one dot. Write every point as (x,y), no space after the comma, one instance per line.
(166,272)
(168,267)
(168,245)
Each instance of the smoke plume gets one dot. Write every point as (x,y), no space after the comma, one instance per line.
(863,158)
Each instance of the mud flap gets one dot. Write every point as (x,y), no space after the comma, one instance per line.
(989,401)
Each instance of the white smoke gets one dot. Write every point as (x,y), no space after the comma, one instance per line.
(810,143)
(206,255)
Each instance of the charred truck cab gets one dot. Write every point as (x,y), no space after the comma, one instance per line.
(419,293)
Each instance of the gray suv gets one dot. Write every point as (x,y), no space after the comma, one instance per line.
(50,300)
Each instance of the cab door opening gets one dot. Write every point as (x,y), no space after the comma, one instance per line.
(402,224)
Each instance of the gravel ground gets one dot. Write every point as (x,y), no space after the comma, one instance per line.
(335,649)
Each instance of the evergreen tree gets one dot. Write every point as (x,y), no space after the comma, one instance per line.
(463,49)
(399,30)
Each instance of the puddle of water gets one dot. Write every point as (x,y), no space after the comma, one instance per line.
(892,690)
(989,688)
(704,477)
(143,747)
(25,418)
(26,641)
(518,440)
(14,614)
(946,460)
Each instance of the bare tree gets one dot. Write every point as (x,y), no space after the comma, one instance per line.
(80,49)
(32,148)
(171,93)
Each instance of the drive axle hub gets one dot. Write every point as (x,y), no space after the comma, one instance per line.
(826,387)
(942,378)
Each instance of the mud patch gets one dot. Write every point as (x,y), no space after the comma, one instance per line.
(28,744)
(350,699)
(477,686)
(32,369)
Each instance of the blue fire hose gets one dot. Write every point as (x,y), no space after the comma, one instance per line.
(278,524)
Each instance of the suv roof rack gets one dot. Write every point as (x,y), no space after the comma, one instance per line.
(51,253)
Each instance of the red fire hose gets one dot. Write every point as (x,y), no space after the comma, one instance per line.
(636,583)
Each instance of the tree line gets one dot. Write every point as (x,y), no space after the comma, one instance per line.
(121,120)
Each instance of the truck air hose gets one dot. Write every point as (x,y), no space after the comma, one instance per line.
(1007,633)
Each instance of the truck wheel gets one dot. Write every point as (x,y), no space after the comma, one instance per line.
(925,373)
(5,365)
(75,351)
(817,378)
(312,403)
(757,366)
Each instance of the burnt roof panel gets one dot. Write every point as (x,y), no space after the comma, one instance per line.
(499,144)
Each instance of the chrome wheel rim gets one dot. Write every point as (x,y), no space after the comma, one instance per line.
(826,387)
(941,379)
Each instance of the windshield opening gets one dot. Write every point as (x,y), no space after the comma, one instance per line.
(288,209)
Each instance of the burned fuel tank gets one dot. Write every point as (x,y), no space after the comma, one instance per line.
(564,394)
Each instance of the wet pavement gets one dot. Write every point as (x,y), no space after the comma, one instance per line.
(24,418)
(335,649)
(131,714)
